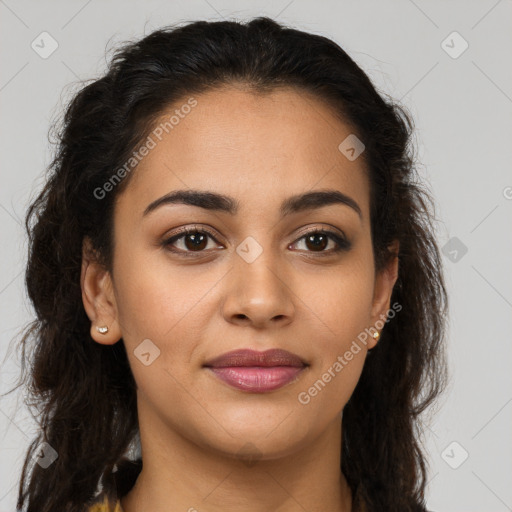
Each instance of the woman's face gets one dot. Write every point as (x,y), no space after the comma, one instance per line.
(252,278)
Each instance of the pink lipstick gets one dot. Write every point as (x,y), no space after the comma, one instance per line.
(257,372)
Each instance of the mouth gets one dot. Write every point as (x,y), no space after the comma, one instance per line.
(257,372)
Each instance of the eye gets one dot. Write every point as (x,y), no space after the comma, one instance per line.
(317,240)
(193,240)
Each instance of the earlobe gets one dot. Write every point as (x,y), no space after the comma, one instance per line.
(98,297)
(384,283)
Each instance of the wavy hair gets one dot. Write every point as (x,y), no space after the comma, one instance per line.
(84,393)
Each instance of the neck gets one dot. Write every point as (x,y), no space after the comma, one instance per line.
(179,475)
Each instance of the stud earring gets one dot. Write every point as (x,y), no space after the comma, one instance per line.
(102,330)
(376,336)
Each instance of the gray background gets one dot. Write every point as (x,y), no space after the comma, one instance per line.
(462,108)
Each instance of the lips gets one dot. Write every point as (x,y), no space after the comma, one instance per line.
(257,372)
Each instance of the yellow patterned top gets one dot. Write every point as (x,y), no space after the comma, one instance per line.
(103,507)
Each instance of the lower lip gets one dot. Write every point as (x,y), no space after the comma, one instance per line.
(257,379)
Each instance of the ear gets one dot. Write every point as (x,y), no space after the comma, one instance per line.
(385,280)
(98,297)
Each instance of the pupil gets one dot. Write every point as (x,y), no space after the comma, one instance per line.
(322,244)
(197,240)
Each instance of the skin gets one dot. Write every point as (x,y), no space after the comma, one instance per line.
(260,150)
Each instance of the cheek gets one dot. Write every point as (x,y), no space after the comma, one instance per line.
(339,301)
(339,349)
(154,295)
(339,304)
(163,303)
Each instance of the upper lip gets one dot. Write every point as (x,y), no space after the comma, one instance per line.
(246,357)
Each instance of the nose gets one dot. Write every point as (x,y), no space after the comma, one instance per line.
(259,294)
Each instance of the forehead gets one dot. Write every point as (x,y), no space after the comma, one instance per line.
(259,148)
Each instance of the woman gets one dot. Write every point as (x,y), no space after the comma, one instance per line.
(239,296)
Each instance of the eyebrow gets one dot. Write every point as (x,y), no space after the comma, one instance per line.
(221,203)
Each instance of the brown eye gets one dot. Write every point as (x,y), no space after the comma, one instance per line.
(318,240)
(195,241)
(192,240)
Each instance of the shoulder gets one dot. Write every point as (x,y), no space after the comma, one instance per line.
(102,506)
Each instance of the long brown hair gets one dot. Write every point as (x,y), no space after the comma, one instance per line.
(84,393)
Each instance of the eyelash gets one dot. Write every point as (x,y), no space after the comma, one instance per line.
(343,244)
